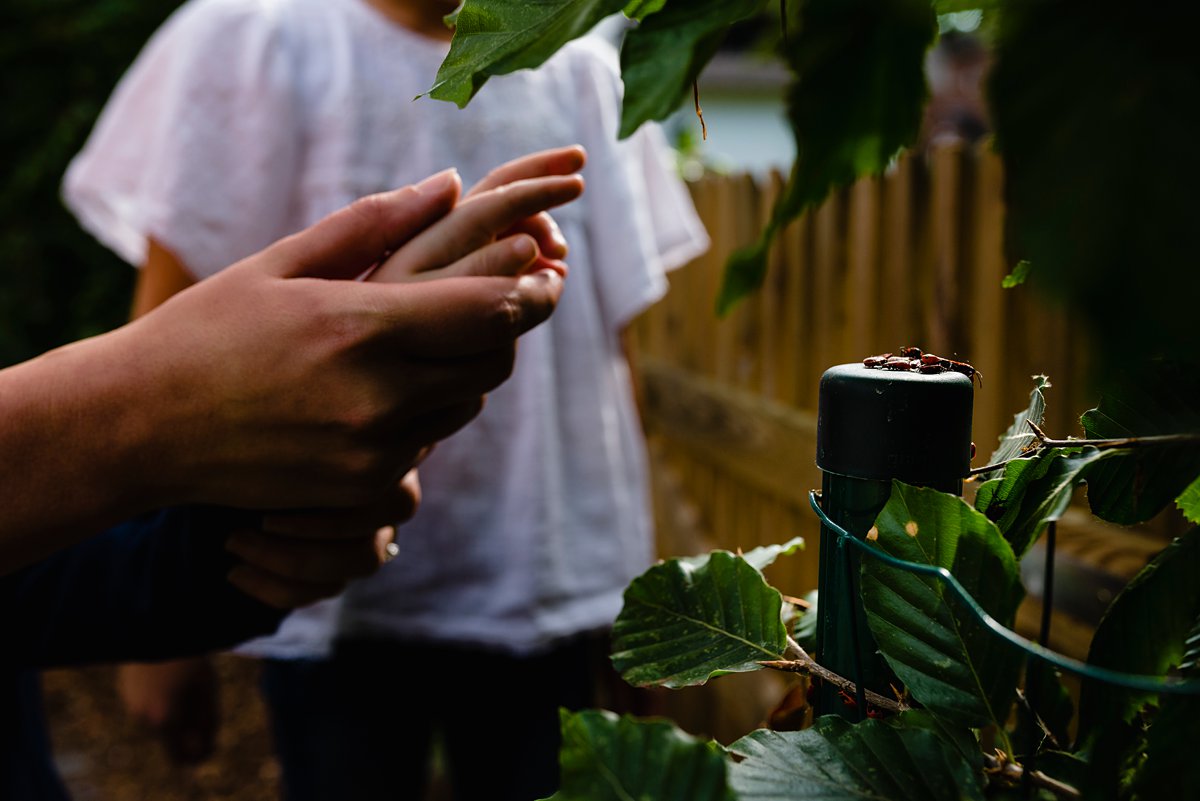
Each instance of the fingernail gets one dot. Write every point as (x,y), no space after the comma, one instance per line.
(438,182)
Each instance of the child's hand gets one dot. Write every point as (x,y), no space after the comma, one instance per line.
(507,231)
(298,558)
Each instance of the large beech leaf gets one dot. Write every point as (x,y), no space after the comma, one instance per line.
(1166,400)
(1144,631)
(835,760)
(663,56)
(686,620)
(855,101)
(1019,436)
(1171,769)
(950,663)
(606,758)
(496,37)
(1036,491)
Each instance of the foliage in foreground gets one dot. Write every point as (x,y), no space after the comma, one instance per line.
(1089,103)
(681,626)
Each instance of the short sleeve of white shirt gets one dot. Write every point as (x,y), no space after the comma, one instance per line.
(197,145)
(642,218)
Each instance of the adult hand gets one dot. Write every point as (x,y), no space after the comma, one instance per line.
(281,382)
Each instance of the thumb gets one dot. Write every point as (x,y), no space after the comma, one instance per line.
(350,241)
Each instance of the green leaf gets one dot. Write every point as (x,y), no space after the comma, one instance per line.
(1144,631)
(950,663)
(638,9)
(1035,492)
(835,760)
(662,57)
(952,6)
(1188,501)
(686,620)
(1101,167)
(1018,275)
(606,758)
(1171,769)
(855,102)
(1165,400)
(496,37)
(805,630)
(766,555)
(1019,435)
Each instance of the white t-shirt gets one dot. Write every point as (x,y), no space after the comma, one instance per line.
(245,120)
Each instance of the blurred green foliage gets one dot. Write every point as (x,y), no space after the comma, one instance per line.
(61,60)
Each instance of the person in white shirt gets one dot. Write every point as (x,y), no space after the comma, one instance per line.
(535,516)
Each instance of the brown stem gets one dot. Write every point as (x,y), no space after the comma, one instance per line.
(803,663)
(1013,772)
(1045,441)
(1125,442)
(699,111)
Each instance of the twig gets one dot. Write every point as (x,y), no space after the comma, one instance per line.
(699,111)
(1045,441)
(1125,442)
(801,662)
(1013,772)
(800,602)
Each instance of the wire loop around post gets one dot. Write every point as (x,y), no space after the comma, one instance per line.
(1130,681)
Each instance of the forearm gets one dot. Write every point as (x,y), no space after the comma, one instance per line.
(74,447)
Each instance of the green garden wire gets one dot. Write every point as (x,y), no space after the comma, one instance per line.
(1130,681)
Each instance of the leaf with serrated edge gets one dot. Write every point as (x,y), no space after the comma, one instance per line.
(856,101)
(1171,769)
(1144,631)
(606,758)
(1035,492)
(685,621)
(496,37)
(1138,486)
(949,662)
(1188,501)
(836,761)
(1019,435)
(662,57)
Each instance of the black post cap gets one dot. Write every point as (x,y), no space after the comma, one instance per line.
(882,424)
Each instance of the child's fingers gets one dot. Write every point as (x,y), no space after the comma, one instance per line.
(509,256)
(559,161)
(476,222)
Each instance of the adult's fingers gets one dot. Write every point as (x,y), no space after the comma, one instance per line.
(477,222)
(392,508)
(308,560)
(456,317)
(557,161)
(348,242)
(278,591)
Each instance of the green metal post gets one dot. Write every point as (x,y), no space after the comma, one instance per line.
(874,426)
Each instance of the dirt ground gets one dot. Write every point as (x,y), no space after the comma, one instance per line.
(103,756)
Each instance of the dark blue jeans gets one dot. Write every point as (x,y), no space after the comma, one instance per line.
(359,726)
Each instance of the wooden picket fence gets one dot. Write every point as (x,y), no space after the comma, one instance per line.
(914,257)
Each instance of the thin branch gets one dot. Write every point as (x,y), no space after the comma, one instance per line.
(699,111)
(1013,772)
(801,662)
(1045,441)
(800,602)
(1125,442)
